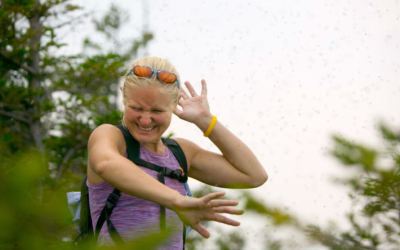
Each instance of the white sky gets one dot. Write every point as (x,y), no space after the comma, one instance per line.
(284,76)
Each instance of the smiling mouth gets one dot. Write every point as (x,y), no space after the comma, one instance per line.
(146,128)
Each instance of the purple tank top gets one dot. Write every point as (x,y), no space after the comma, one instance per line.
(135,218)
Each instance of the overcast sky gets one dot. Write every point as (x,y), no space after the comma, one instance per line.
(284,76)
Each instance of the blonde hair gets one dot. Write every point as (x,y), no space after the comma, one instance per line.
(157,64)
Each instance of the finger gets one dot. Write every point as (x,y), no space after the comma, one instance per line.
(225,220)
(207,198)
(177,111)
(220,203)
(191,89)
(184,94)
(201,230)
(228,210)
(180,95)
(203,87)
(181,101)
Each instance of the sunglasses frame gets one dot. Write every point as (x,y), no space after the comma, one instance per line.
(152,72)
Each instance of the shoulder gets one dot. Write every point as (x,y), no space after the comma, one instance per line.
(106,130)
(107,135)
(189,148)
(185,143)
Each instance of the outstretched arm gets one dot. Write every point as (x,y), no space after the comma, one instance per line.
(106,149)
(237,167)
(193,211)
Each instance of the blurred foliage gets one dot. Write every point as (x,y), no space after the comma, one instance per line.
(230,241)
(27,221)
(374,220)
(32,223)
(277,216)
(49,104)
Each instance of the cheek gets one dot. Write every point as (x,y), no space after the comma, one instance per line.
(130,114)
(164,118)
(161,118)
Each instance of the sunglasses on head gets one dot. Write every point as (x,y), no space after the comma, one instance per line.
(162,75)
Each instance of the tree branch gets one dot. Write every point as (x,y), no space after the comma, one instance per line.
(73,20)
(69,154)
(18,117)
(73,91)
(25,67)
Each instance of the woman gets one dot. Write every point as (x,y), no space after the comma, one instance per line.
(151,94)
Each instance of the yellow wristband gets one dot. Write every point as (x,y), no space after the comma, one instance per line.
(210,128)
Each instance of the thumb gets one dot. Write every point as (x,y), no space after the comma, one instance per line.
(177,111)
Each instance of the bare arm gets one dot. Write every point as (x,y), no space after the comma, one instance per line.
(106,148)
(237,167)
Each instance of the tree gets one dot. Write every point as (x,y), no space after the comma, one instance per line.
(52,102)
(49,104)
(375,188)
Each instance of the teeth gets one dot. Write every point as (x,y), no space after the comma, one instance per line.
(146,129)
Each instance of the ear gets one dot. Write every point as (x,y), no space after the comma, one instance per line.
(121,88)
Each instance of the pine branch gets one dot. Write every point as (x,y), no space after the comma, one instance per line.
(19,117)
(23,66)
(73,20)
(68,156)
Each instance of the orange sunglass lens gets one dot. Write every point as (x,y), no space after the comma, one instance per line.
(167,77)
(142,71)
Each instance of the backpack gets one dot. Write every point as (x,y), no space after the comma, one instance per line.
(81,211)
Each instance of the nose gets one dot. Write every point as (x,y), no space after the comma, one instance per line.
(145,119)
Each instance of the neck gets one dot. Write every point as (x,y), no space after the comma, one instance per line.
(157,148)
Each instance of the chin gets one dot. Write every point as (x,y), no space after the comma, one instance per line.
(147,138)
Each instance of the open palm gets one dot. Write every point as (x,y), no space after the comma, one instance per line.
(207,208)
(194,107)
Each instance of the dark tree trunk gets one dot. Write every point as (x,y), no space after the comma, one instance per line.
(35,78)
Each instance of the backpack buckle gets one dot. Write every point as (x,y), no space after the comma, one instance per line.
(166,171)
(113,198)
(175,174)
(181,178)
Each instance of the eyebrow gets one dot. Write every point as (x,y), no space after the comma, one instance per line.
(139,106)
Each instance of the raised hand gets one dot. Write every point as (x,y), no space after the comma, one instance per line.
(194,108)
(207,208)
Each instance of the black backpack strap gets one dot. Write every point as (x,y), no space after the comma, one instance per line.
(110,204)
(133,150)
(132,145)
(181,158)
(163,223)
(105,216)
(179,155)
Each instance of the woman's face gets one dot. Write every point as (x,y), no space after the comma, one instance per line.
(148,113)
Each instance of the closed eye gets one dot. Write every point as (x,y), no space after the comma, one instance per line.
(136,109)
